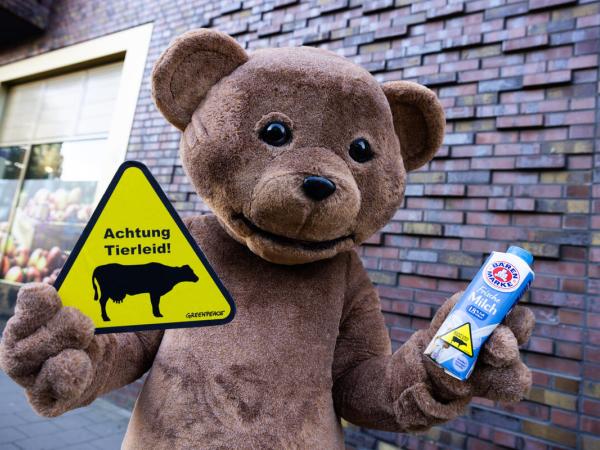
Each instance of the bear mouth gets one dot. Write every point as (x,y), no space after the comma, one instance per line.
(287,241)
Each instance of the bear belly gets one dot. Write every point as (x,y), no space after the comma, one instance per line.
(264,384)
(261,381)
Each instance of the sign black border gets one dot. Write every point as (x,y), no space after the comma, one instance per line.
(165,201)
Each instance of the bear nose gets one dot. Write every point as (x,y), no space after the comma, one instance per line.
(318,188)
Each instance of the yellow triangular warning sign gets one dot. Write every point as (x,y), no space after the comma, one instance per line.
(460,338)
(136,267)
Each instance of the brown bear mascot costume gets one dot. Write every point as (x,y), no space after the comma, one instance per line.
(301,155)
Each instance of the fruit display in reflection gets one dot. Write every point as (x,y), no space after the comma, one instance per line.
(20,265)
(61,205)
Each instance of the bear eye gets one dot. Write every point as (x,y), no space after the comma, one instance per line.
(276,134)
(360,150)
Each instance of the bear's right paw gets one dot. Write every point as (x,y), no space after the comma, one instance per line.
(61,383)
(42,348)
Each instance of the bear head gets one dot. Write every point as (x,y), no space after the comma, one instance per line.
(300,153)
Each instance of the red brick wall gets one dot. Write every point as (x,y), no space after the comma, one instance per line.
(521,164)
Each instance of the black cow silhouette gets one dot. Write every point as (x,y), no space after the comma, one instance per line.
(458,341)
(115,281)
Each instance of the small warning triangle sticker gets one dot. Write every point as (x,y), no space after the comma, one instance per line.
(136,266)
(460,338)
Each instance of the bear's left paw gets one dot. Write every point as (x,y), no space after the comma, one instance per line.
(508,384)
(499,373)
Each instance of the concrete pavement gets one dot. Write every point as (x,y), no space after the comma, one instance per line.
(100,425)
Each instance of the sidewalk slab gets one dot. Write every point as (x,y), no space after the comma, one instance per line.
(100,425)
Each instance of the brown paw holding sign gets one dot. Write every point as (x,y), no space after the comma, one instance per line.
(53,353)
(43,348)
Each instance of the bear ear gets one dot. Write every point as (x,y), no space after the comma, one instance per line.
(185,72)
(418,120)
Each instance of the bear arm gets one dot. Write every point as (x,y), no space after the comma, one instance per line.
(118,359)
(373,387)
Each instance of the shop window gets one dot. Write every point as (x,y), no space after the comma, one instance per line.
(53,148)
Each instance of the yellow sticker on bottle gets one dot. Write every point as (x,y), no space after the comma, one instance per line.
(136,266)
(460,338)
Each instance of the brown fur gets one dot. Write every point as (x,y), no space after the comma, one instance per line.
(309,344)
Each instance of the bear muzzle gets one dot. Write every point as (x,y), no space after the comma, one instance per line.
(305,207)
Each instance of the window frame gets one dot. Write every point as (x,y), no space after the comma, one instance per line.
(131,46)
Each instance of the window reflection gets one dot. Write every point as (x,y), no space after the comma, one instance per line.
(55,200)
